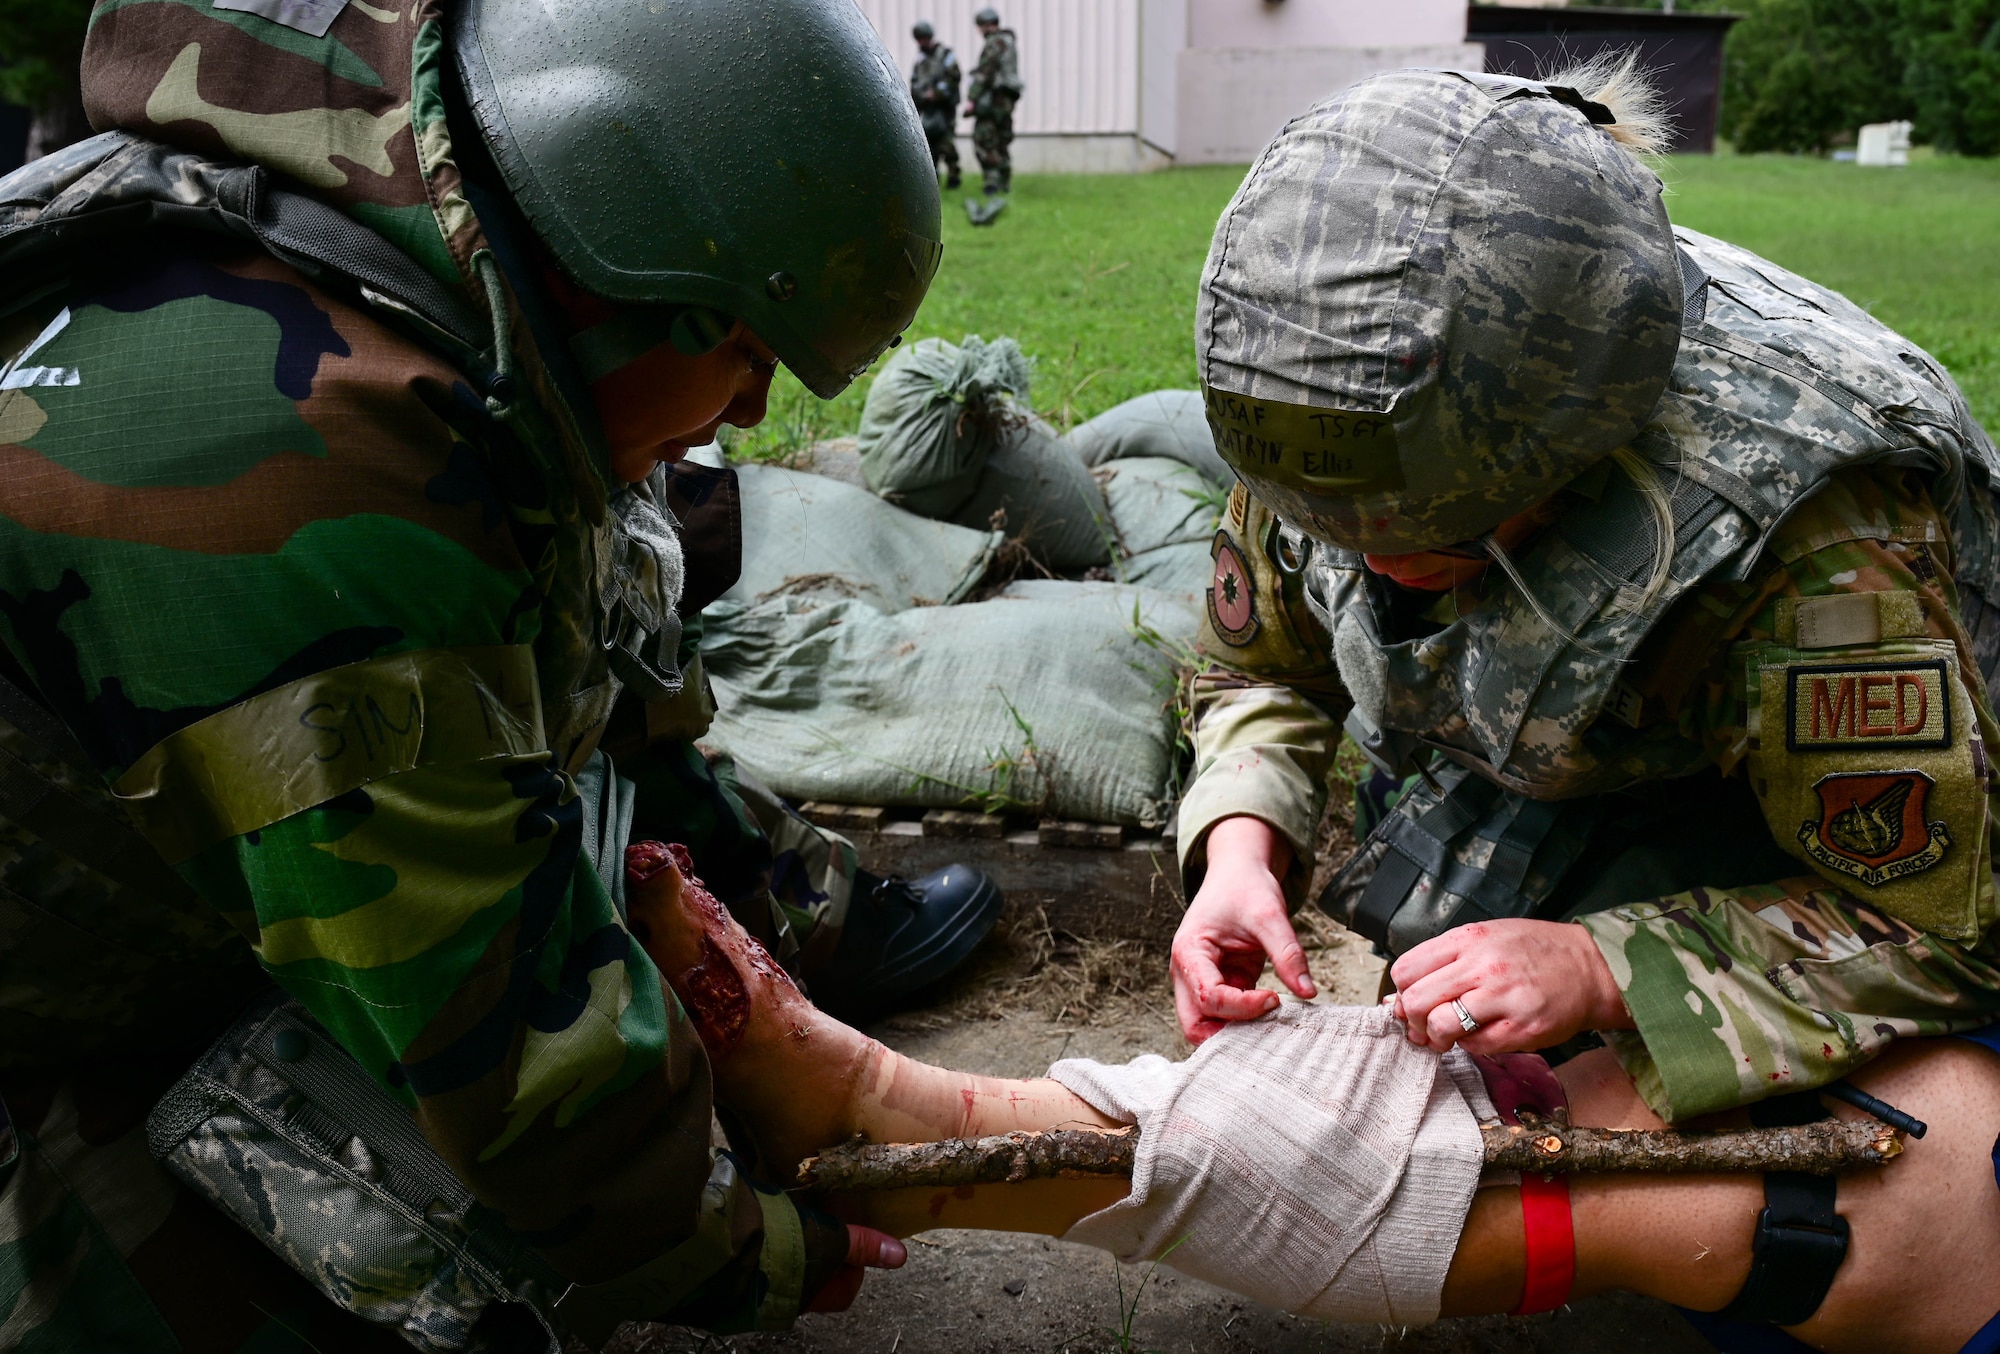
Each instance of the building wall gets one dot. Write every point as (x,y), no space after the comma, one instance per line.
(1232,100)
(1116,85)
(1325,23)
(1079,58)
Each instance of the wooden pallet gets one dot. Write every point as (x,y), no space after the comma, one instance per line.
(1095,880)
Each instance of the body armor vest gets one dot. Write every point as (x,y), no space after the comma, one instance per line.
(1779,384)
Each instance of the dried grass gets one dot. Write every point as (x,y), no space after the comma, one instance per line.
(1028,966)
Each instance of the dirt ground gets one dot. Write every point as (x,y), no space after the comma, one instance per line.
(1029,998)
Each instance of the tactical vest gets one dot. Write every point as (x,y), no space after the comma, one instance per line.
(1779,383)
(98,936)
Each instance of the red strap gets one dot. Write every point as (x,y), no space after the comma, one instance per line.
(1550,1243)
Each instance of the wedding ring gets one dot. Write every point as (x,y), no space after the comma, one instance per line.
(1465,1020)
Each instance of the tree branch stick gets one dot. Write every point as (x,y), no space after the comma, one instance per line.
(1008,1159)
(1824,1148)
(1545,1147)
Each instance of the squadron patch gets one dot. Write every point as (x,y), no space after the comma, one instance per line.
(1871,826)
(1867,706)
(1232,596)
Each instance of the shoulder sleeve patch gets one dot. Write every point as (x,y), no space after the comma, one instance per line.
(1232,594)
(1876,778)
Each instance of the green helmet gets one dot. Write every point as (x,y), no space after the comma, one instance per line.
(922,29)
(1438,298)
(754,158)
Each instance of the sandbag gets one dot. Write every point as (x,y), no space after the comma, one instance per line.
(1185,570)
(1154,501)
(805,533)
(833,699)
(931,418)
(1166,423)
(1049,499)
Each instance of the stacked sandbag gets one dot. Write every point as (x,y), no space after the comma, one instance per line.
(1186,570)
(931,417)
(1168,423)
(806,533)
(848,665)
(1165,514)
(1048,695)
(946,431)
(1153,502)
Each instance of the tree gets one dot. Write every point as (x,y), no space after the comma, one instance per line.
(1801,74)
(1951,67)
(41,46)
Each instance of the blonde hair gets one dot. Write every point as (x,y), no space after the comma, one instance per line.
(1615,79)
(1646,478)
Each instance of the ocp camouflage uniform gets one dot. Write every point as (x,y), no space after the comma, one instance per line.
(934,86)
(248,523)
(1835,542)
(994,90)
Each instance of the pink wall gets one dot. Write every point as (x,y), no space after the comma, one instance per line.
(1324,23)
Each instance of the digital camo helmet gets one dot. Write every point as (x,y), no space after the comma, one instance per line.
(759,159)
(1436,299)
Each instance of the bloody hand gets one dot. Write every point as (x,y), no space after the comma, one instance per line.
(1237,917)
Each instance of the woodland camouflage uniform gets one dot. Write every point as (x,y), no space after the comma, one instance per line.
(934,88)
(244,518)
(1835,543)
(994,89)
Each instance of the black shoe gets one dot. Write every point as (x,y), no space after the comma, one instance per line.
(901,935)
(953,179)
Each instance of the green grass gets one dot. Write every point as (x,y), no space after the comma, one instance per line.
(1919,248)
(1096,274)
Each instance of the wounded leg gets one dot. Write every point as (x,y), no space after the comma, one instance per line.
(1922,1226)
(794,1077)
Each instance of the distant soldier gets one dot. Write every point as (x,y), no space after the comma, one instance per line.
(934,85)
(996,87)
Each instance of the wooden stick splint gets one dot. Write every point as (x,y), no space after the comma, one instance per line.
(1544,1147)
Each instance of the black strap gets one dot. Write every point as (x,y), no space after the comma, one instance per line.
(1419,845)
(1801,1241)
(1694,291)
(1380,901)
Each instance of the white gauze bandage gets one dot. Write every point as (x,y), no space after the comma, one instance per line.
(1315,1160)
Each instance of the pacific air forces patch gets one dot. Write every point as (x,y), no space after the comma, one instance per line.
(1871,826)
(1868,767)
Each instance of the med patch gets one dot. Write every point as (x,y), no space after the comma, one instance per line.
(1864,706)
(1866,767)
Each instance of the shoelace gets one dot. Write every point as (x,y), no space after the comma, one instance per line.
(896,889)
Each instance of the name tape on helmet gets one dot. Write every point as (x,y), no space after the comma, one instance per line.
(1312,449)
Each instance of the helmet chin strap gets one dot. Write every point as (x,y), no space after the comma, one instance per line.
(636,330)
